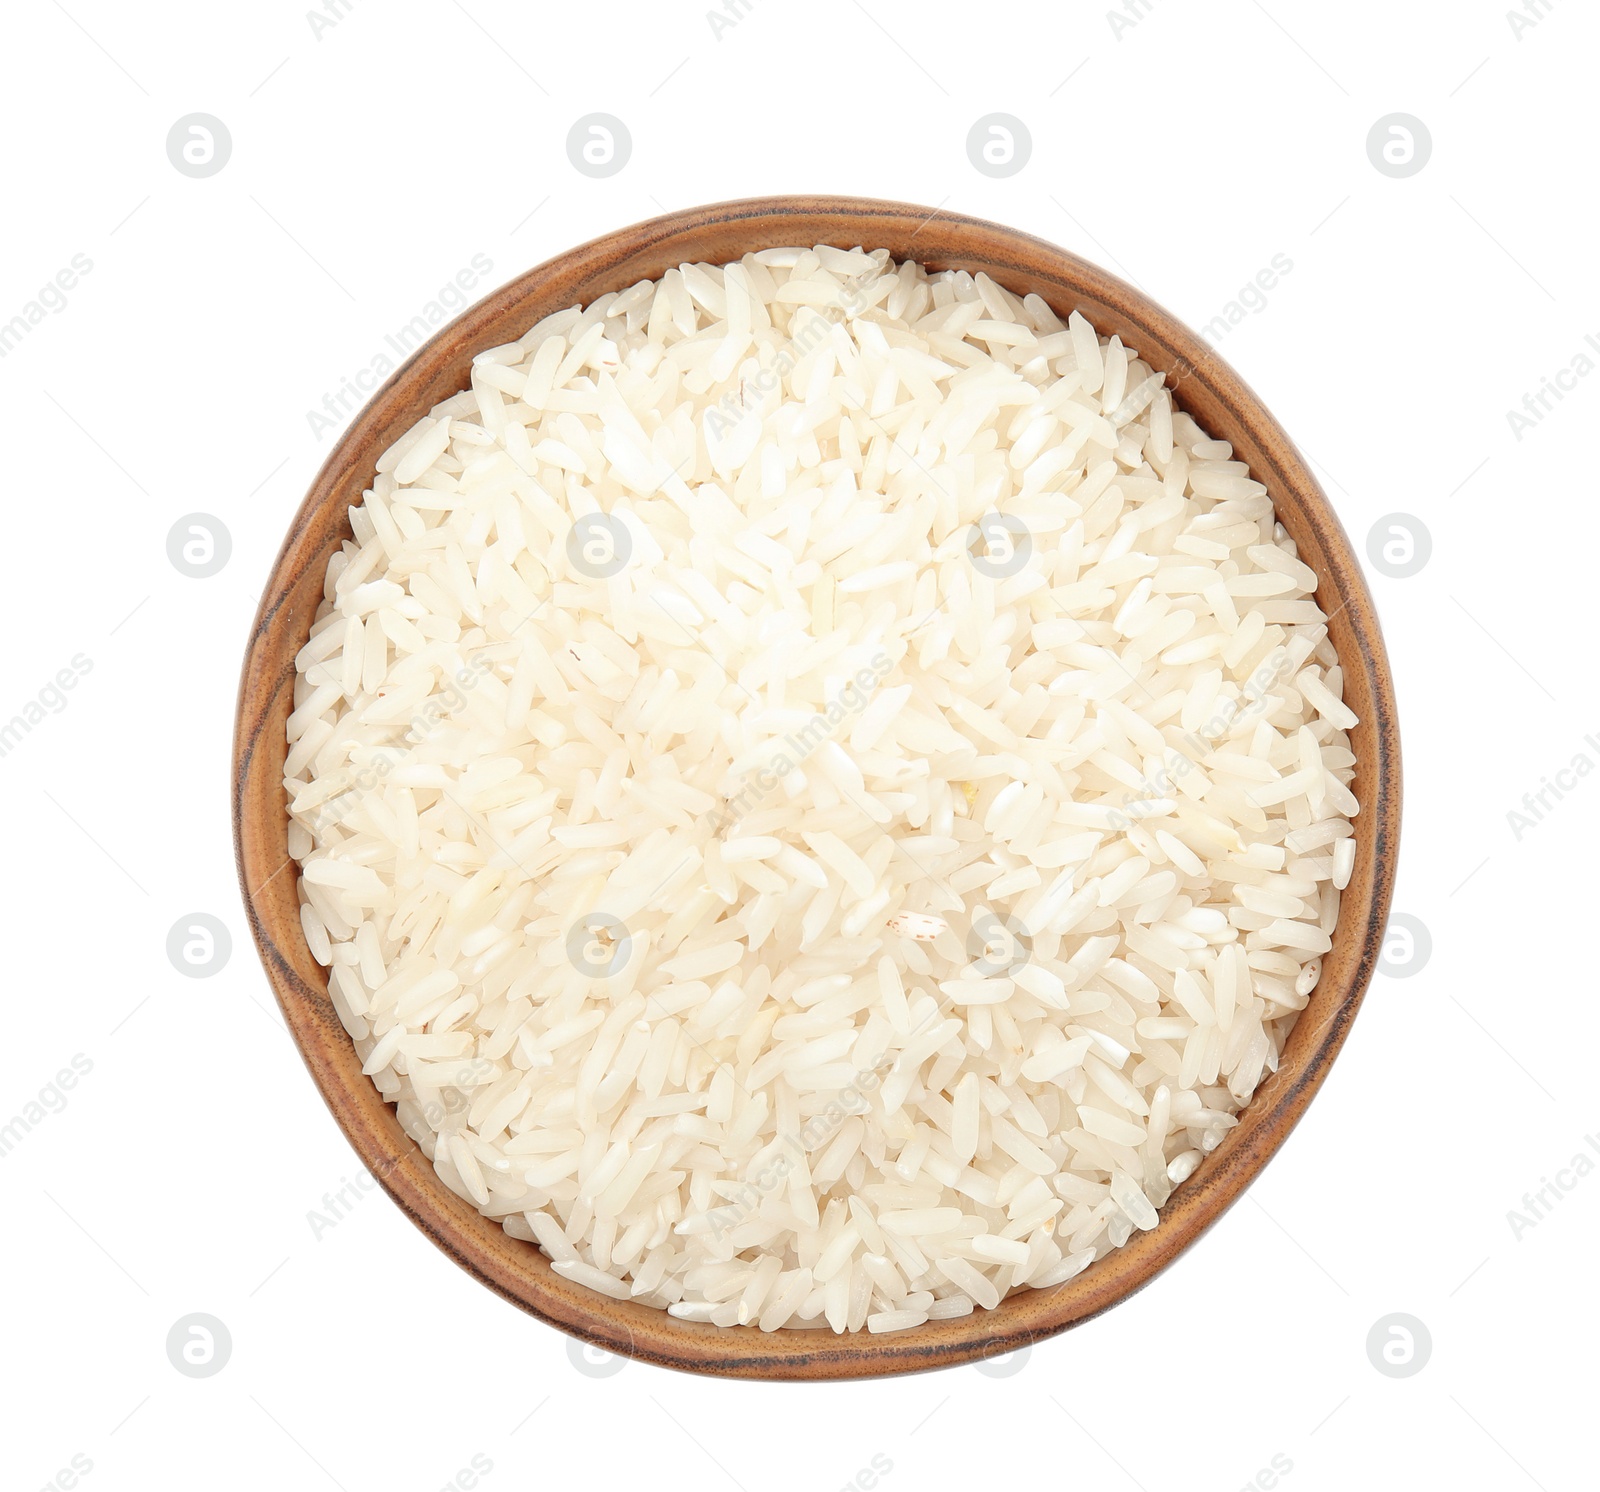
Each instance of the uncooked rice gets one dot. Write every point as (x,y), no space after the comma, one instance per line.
(820,792)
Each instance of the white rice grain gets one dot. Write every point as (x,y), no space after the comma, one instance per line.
(820,792)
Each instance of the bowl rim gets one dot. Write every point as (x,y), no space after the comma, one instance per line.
(1203,383)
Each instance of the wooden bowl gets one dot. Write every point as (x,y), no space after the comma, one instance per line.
(1205,386)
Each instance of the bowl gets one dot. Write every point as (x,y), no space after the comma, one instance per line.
(1204,385)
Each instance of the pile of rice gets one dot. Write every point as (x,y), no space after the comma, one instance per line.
(820,793)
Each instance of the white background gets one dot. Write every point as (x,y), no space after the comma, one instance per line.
(370,163)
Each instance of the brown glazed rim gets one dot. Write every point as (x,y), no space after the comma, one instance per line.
(1205,386)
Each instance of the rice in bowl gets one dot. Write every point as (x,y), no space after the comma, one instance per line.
(820,792)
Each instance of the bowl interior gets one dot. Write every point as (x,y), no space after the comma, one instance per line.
(1205,386)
